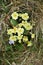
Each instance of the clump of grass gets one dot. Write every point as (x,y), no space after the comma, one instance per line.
(8,53)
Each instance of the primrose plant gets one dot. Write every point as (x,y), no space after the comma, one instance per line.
(21,29)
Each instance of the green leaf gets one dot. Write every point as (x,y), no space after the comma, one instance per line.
(13,22)
(19,47)
(8,47)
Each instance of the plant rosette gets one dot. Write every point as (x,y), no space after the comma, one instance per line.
(21,31)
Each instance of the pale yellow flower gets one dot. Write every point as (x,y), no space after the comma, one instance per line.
(19,38)
(29,43)
(25,16)
(20,31)
(25,39)
(14,15)
(13,38)
(15,30)
(28,27)
(25,24)
(19,41)
(10,31)
(20,25)
(32,35)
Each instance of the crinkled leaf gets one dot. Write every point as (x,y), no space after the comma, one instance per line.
(13,22)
